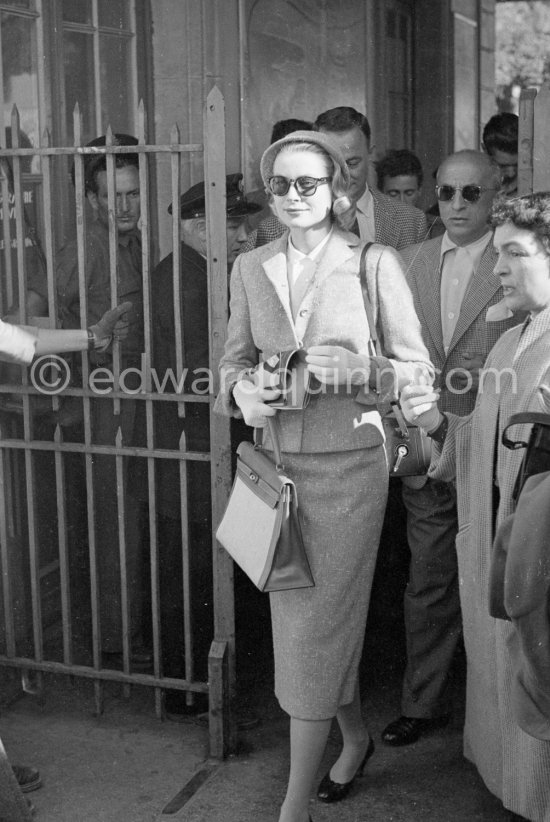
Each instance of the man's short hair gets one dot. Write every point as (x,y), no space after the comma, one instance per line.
(342,118)
(396,163)
(284,127)
(501,133)
(93,164)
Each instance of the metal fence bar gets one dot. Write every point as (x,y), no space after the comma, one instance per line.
(214,163)
(525,141)
(144,188)
(80,212)
(9,626)
(63,552)
(25,449)
(541,139)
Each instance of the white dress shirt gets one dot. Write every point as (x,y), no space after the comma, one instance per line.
(458,264)
(301,271)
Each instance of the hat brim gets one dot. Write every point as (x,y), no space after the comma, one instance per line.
(317,138)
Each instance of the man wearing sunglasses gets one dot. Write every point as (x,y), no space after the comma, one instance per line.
(458,299)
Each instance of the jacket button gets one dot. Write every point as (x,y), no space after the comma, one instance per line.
(303,312)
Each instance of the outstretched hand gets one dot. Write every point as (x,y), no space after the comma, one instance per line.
(419,406)
(114,324)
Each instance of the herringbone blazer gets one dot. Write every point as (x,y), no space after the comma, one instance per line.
(512,763)
(331,313)
(472,333)
(395,224)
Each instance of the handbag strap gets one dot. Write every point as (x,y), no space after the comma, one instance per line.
(523,418)
(374,342)
(273,433)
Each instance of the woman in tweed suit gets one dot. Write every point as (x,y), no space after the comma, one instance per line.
(514,764)
(302,291)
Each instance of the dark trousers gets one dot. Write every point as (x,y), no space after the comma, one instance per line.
(433,622)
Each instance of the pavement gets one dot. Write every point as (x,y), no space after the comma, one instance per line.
(128,766)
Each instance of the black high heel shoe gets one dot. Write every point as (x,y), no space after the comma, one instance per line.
(330,791)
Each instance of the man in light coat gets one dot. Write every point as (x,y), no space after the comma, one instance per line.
(458,299)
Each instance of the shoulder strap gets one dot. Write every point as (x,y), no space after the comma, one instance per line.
(375,343)
(259,438)
(523,418)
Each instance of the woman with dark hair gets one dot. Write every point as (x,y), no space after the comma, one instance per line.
(303,291)
(514,764)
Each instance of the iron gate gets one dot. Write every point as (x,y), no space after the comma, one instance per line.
(40,466)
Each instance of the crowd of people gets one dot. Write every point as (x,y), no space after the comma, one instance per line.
(461,299)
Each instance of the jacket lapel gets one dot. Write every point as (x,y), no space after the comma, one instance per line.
(428,283)
(483,286)
(276,272)
(381,220)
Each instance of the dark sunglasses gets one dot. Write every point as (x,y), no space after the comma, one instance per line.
(470,193)
(305,186)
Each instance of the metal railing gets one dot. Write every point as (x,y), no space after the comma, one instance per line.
(39,610)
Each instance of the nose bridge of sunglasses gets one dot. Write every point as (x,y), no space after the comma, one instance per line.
(469,193)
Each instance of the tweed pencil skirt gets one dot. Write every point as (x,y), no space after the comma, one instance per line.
(318,632)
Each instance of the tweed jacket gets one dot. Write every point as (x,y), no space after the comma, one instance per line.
(331,313)
(520,591)
(395,224)
(473,333)
(513,764)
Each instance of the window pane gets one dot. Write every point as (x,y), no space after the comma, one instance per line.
(20,76)
(77,11)
(113,13)
(79,82)
(114,61)
(20,4)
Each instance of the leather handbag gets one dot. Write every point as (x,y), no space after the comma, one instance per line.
(260,528)
(537,449)
(408,447)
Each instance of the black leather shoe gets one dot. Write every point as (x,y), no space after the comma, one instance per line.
(330,791)
(408,729)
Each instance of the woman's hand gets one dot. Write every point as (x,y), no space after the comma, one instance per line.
(335,365)
(251,399)
(419,406)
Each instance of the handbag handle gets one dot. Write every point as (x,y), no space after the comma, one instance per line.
(258,442)
(523,418)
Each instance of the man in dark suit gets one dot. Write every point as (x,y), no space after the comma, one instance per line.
(458,299)
(379,218)
(191,432)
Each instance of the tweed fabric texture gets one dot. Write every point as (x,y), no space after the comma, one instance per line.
(318,632)
(331,313)
(395,224)
(433,622)
(472,332)
(514,765)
